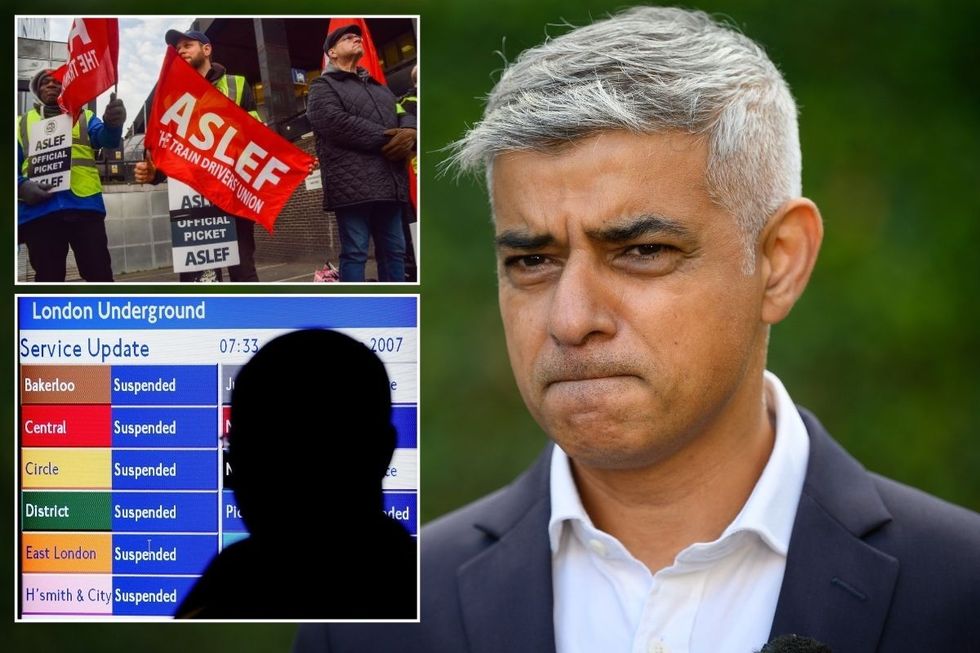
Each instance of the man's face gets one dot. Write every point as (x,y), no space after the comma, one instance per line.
(48,90)
(349,45)
(630,324)
(193,52)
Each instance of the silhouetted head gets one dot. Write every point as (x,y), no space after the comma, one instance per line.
(311,433)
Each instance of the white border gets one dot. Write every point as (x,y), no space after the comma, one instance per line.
(148,619)
(417,18)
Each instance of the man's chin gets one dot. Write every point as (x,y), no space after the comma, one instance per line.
(610,454)
(627,438)
(601,443)
(609,399)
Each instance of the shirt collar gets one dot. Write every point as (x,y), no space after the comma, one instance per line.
(770,509)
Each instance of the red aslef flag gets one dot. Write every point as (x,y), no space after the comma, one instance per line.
(93,62)
(199,136)
(369,61)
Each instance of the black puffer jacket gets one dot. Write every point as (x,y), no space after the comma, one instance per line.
(350,113)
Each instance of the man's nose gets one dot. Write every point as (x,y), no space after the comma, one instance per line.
(581,307)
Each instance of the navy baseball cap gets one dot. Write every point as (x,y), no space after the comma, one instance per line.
(335,35)
(173,36)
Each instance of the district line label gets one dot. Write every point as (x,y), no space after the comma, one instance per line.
(66,511)
(120,511)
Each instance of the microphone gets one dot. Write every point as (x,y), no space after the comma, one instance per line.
(795,644)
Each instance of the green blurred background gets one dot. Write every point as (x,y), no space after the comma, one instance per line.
(883,347)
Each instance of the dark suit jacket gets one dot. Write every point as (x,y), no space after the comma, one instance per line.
(872,566)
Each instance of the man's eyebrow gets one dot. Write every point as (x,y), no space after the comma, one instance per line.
(633,228)
(522,240)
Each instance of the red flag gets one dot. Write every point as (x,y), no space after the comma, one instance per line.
(93,62)
(413,185)
(199,136)
(369,61)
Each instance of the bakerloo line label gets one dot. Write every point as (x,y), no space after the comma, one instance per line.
(48,385)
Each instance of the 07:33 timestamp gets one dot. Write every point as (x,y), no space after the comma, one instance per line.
(238,345)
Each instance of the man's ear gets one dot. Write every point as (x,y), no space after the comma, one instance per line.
(206,49)
(789,246)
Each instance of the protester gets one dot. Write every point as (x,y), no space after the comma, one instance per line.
(51,222)
(363,145)
(195,48)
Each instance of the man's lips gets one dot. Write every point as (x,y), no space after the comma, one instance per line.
(597,377)
(556,371)
(590,381)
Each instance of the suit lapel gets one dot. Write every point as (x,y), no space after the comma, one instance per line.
(505,592)
(837,588)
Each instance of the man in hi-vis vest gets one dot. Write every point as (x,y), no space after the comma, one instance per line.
(195,48)
(51,222)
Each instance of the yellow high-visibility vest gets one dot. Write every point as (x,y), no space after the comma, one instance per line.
(233,86)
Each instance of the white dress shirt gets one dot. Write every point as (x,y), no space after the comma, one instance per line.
(717,597)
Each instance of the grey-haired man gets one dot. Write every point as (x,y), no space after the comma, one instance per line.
(644,173)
